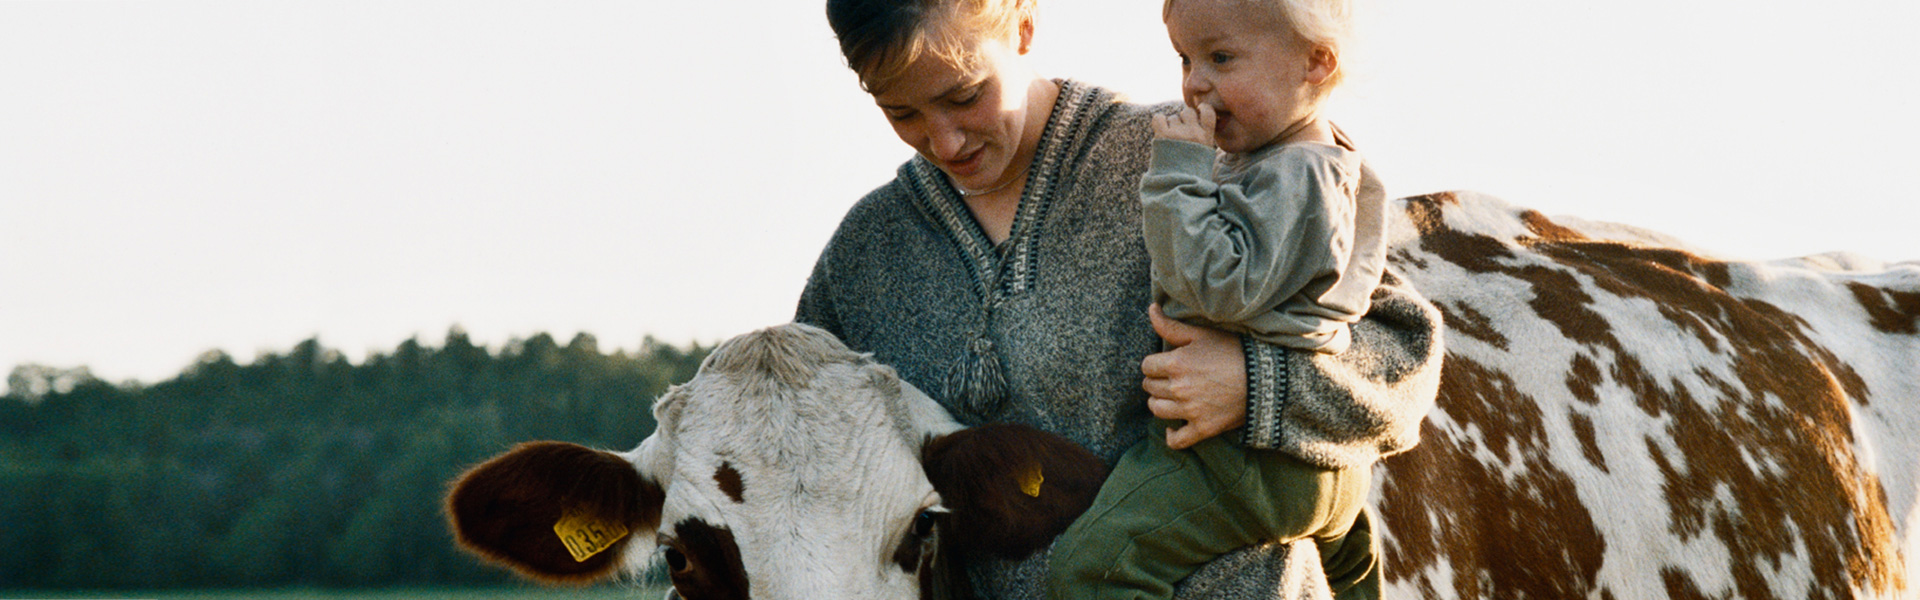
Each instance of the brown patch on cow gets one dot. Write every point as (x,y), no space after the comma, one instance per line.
(1583,379)
(730,484)
(504,510)
(1891,311)
(1774,441)
(1589,444)
(1427,212)
(708,565)
(1531,537)
(1680,587)
(977,472)
(1464,320)
(1718,274)
(1405,258)
(1549,231)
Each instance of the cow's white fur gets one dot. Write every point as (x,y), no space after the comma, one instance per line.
(831,469)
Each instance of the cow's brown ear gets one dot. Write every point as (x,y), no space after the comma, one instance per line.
(1012,488)
(554,512)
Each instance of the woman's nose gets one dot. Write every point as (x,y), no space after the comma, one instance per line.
(944,138)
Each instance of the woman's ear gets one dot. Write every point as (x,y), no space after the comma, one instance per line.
(1026,32)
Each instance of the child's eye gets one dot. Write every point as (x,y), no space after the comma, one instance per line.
(1220,58)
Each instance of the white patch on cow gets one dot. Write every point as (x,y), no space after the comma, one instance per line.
(829,469)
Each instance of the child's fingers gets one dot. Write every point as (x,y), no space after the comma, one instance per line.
(1207,118)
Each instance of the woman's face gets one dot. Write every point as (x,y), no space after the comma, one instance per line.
(975,121)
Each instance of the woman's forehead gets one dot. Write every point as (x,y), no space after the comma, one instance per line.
(931,76)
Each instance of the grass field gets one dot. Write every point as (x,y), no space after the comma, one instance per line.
(618,592)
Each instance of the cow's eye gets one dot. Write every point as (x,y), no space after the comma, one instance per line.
(923,524)
(676,560)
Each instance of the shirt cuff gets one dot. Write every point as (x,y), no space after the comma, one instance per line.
(1266,393)
(1183,157)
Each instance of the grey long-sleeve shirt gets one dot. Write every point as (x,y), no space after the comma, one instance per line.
(1277,244)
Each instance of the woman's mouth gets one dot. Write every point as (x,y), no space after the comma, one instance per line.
(965,165)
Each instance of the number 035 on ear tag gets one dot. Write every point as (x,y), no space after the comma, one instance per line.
(585,535)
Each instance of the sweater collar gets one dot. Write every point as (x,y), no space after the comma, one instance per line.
(1007,270)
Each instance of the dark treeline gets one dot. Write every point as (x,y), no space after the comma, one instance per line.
(297,469)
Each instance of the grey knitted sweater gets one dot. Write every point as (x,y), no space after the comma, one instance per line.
(1049,327)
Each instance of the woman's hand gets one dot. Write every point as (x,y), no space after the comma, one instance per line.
(1202,380)
(1190,125)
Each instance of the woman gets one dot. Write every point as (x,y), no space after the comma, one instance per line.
(1003,272)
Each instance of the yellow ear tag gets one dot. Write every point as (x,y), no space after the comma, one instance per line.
(1031,479)
(584,535)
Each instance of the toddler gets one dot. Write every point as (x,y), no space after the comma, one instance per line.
(1273,238)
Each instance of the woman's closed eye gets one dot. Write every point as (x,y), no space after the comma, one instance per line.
(966,98)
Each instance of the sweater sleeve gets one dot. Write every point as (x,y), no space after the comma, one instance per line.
(816,300)
(1231,252)
(1349,409)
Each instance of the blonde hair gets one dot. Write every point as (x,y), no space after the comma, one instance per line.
(1320,23)
(880,38)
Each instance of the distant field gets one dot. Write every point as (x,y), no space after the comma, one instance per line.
(594,593)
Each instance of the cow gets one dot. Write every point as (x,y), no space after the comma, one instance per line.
(1620,416)
(788,467)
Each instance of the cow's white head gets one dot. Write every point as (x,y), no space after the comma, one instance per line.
(790,467)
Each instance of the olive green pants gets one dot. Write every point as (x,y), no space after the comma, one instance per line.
(1164,513)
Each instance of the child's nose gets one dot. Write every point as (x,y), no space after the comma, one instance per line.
(1195,84)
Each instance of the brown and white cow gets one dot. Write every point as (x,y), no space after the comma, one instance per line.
(789,468)
(1620,417)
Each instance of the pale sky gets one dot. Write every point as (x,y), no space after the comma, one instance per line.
(177,176)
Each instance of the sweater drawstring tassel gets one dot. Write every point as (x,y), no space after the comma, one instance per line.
(976,382)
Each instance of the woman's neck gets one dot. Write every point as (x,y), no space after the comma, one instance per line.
(995,208)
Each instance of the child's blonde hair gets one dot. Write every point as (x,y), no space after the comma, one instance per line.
(880,38)
(1322,23)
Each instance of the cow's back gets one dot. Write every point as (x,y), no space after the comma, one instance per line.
(1623,417)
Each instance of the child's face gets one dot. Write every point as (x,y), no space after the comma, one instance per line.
(1257,75)
(969,120)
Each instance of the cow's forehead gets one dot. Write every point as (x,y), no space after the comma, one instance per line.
(833,441)
(1580,368)
(794,458)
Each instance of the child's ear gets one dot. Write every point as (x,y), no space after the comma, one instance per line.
(1322,63)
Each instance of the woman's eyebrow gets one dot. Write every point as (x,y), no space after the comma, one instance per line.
(948,93)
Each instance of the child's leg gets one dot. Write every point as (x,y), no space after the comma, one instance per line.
(1163,513)
(1352,561)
